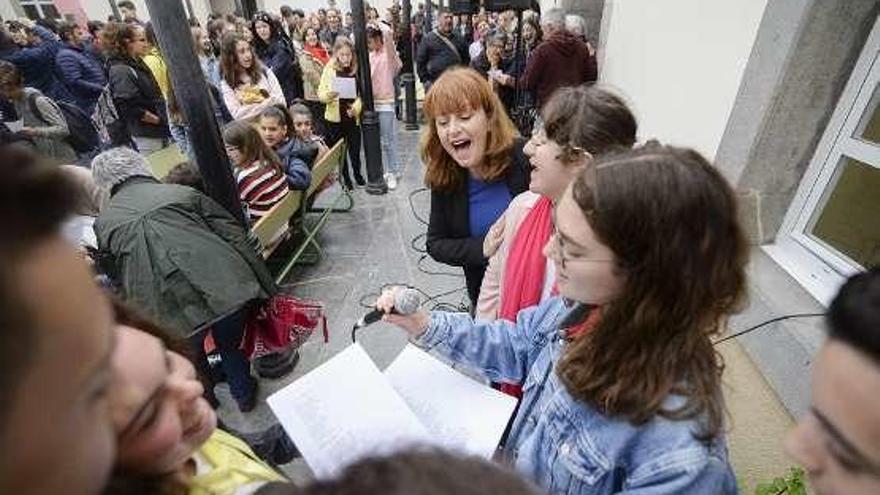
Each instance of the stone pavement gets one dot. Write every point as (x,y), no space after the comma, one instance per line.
(377,243)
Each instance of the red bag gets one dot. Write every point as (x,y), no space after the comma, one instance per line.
(285,322)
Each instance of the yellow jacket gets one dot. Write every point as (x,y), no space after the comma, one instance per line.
(160,71)
(331,114)
(232,465)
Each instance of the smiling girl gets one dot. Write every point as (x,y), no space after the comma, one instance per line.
(248,87)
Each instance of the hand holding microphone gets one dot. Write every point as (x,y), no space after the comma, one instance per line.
(400,306)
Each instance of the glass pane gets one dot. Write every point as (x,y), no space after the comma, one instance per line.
(850,219)
(869,127)
(50,12)
(31,12)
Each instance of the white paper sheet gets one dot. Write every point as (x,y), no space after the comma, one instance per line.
(344,410)
(346,87)
(460,413)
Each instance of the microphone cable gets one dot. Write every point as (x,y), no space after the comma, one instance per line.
(765,323)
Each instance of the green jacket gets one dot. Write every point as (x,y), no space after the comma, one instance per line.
(178,255)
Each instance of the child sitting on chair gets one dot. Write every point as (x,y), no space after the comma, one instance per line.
(274,125)
(304,129)
(258,172)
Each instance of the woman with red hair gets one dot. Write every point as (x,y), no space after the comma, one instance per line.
(475,166)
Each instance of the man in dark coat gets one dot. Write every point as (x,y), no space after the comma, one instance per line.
(79,71)
(36,62)
(561,60)
(183,259)
(333,30)
(439,50)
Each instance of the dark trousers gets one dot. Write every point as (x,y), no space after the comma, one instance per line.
(227,334)
(349,130)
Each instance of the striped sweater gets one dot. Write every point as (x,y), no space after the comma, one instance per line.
(260,187)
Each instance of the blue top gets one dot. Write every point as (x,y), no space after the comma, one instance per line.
(486,201)
(566,445)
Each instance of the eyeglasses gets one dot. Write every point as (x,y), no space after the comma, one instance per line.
(560,249)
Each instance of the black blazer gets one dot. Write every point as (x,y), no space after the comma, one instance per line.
(449,233)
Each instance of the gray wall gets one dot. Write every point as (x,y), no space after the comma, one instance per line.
(802,58)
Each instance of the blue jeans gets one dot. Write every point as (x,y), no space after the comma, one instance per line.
(227,333)
(388,138)
(180,134)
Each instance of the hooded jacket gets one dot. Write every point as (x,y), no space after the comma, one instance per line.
(165,243)
(292,155)
(562,60)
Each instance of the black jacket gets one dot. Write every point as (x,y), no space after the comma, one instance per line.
(449,236)
(434,56)
(279,57)
(136,91)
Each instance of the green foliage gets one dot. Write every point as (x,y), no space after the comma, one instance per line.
(791,484)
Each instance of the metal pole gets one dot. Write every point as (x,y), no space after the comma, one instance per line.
(406,72)
(191,14)
(429,17)
(115,9)
(369,117)
(191,91)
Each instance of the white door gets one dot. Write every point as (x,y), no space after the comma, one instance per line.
(832,228)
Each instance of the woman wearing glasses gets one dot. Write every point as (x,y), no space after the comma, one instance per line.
(630,401)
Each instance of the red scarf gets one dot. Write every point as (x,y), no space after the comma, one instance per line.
(526,264)
(525,269)
(318,52)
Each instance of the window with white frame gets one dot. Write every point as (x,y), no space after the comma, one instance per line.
(39,9)
(832,228)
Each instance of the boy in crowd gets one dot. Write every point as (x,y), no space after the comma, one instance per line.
(56,340)
(838,441)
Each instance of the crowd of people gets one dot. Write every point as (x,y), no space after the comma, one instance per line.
(595,293)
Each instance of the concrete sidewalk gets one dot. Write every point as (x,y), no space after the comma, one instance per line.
(374,245)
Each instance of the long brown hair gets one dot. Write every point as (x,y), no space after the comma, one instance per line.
(670,218)
(462,90)
(229,67)
(249,143)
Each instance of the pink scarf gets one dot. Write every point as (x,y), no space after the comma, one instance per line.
(526,264)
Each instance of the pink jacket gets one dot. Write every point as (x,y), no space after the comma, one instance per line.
(384,65)
(496,245)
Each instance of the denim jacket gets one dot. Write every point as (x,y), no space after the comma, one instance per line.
(565,445)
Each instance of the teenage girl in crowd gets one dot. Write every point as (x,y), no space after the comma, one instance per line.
(274,126)
(276,54)
(136,93)
(258,172)
(343,114)
(248,87)
(475,166)
(629,401)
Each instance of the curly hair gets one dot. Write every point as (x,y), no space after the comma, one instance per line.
(117,36)
(670,218)
(463,90)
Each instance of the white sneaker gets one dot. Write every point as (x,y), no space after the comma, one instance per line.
(391,180)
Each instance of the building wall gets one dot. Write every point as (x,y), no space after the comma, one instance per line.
(679,63)
(100,9)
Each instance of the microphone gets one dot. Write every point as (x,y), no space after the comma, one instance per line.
(406,302)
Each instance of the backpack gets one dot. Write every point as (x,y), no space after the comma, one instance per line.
(83,137)
(112,130)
